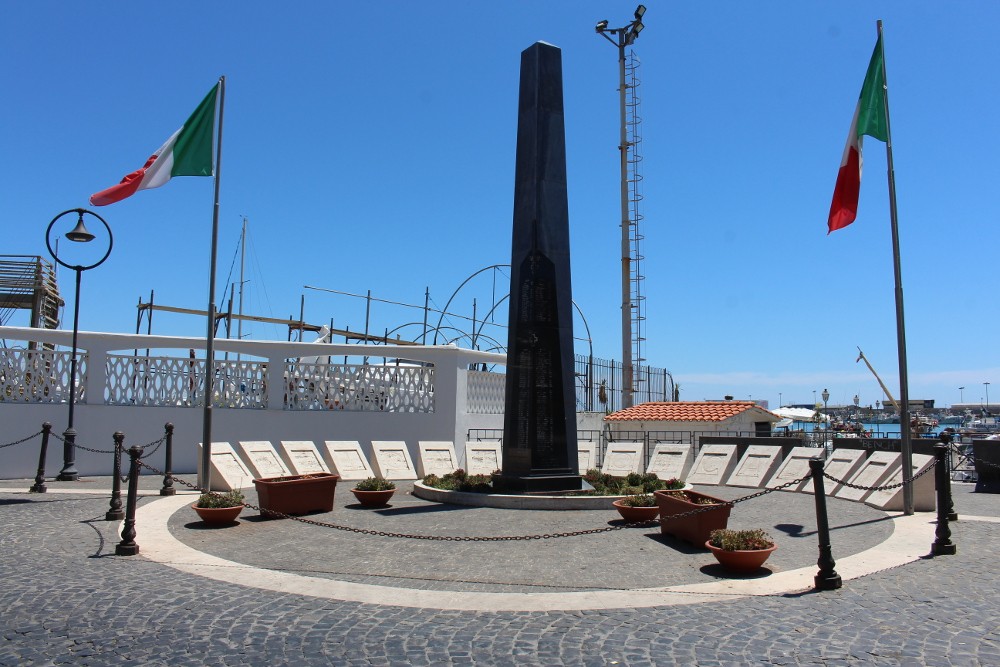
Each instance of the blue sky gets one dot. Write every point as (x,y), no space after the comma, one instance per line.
(373,149)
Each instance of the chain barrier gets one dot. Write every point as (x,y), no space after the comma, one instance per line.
(495,538)
(18,442)
(886,487)
(157,444)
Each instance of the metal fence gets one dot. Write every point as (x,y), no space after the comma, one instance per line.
(599,384)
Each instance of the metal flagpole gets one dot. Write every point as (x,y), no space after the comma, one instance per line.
(904,392)
(206,434)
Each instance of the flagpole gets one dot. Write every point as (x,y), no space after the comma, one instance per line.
(906,443)
(206,434)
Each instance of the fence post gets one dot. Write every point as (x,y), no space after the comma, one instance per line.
(115,513)
(39,485)
(827,578)
(942,545)
(168,472)
(128,547)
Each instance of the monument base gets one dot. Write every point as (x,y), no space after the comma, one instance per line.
(537,483)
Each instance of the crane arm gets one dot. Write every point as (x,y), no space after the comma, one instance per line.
(861,357)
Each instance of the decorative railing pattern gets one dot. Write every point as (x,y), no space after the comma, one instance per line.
(40,375)
(359,387)
(486,393)
(178,381)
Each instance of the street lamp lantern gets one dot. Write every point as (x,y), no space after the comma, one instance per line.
(79,234)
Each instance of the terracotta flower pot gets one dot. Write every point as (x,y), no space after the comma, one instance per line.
(217,516)
(693,529)
(373,498)
(296,494)
(636,514)
(741,561)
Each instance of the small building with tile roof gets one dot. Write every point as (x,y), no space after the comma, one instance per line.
(703,416)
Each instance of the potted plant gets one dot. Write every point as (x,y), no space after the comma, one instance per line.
(219,508)
(296,494)
(638,507)
(374,492)
(741,550)
(693,527)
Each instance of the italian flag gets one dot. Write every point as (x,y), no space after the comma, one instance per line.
(188,152)
(871,117)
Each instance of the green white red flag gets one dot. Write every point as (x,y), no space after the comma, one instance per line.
(871,118)
(188,152)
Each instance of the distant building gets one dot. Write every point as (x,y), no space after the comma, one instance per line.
(702,416)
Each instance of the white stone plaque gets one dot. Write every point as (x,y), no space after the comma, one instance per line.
(924,499)
(391,460)
(879,467)
(795,466)
(670,460)
(758,463)
(262,459)
(482,458)
(586,453)
(713,464)
(302,457)
(436,458)
(346,458)
(228,471)
(842,464)
(622,458)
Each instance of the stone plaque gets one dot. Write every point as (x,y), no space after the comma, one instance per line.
(587,455)
(622,458)
(391,460)
(302,457)
(758,463)
(879,467)
(262,459)
(670,460)
(842,464)
(436,458)
(795,466)
(228,471)
(714,464)
(346,459)
(482,458)
(924,499)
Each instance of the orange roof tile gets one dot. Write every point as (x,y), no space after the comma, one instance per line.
(685,411)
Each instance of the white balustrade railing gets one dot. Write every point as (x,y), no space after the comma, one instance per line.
(134,379)
(39,375)
(485,393)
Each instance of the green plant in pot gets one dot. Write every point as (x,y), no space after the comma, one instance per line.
(637,507)
(219,508)
(374,491)
(741,550)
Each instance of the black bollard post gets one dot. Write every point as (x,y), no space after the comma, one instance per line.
(116,513)
(168,473)
(827,578)
(943,545)
(946,440)
(39,485)
(128,547)
(68,472)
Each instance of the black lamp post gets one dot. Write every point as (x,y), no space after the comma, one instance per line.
(78,234)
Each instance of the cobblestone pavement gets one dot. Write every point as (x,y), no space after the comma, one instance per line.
(66,599)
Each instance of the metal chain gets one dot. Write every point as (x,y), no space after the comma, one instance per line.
(497,538)
(887,487)
(18,442)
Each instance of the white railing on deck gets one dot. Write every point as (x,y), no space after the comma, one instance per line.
(34,367)
(486,393)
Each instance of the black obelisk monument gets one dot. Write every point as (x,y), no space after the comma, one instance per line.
(539,434)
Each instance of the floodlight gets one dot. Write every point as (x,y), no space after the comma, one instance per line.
(639,11)
(601,26)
